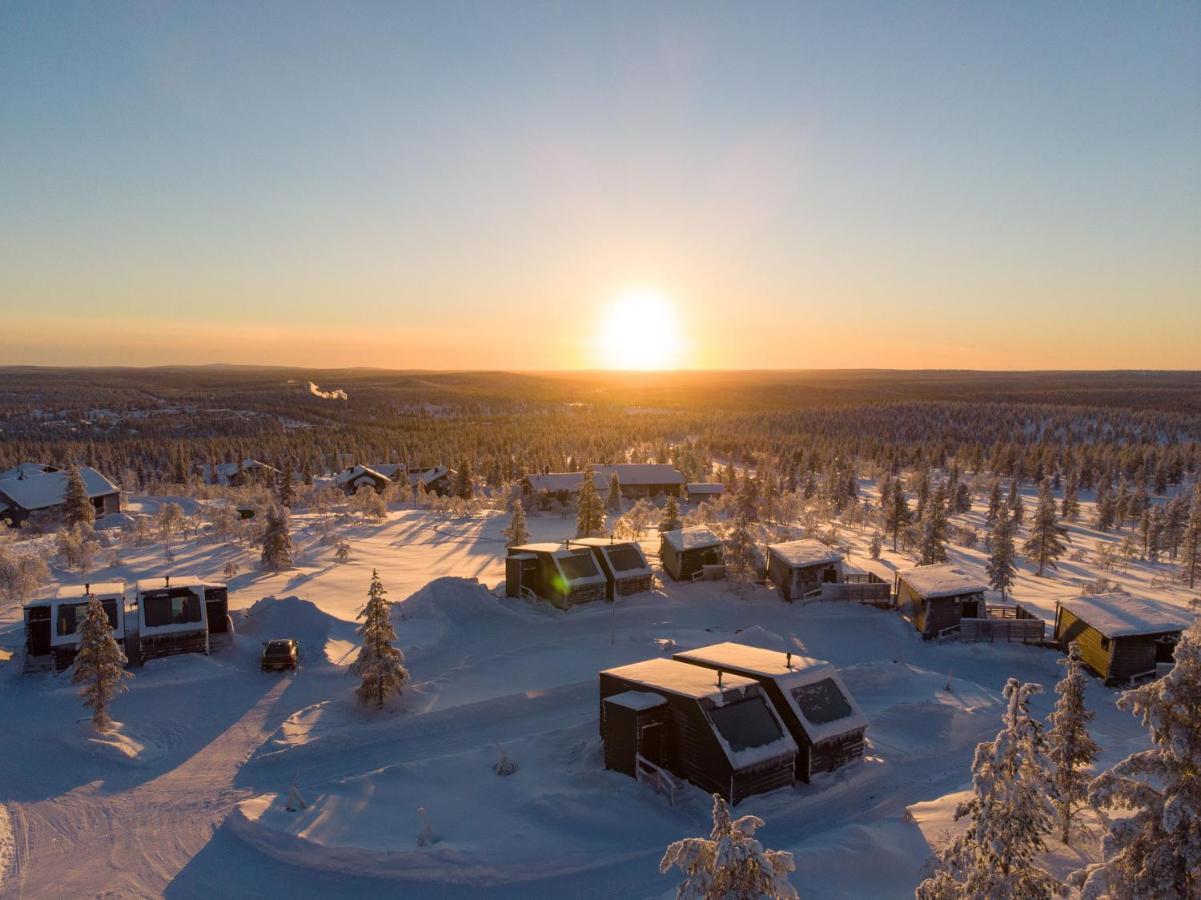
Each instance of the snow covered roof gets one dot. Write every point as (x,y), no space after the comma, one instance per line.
(801,554)
(755,660)
(641,473)
(564,482)
(46,489)
(348,475)
(389,470)
(1120,615)
(177,581)
(428,476)
(25,470)
(942,580)
(679,678)
(637,700)
(695,538)
(98,589)
(705,487)
(543,547)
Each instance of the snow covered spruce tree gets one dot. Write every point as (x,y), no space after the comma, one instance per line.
(1155,851)
(896,511)
(379,665)
(730,864)
(516,532)
(933,547)
(613,501)
(1190,560)
(286,493)
(277,542)
(1069,747)
(590,514)
(671,516)
(1001,566)
(1045,545)
(1008,813)
(77,508)
(99,665)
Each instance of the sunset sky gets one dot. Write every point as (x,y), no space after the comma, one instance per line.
(507,184)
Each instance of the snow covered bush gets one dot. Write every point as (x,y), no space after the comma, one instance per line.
(1156,850)
(730,863)
(1008,813)
(379,664)
(99,665)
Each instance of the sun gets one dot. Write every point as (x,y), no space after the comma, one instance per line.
(640,331)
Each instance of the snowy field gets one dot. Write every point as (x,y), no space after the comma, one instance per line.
(187,797)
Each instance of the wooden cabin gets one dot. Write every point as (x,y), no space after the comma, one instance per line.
(232,474)
(623,562)
(702,491)
(799,569)
(352,478)
(52,624)
(808,695)
(557,573)
(178,614)
(37,490)
(717,730)
(938,597)
(1122,638)
(685,552)
(635,479)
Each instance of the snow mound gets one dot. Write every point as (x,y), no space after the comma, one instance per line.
(758,636)
(120,743)
(323,638)
(456,606)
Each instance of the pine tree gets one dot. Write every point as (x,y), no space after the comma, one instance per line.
(463,486)
(590,514)
(286,497)
(1008,813)
(379,665)
(671,516)
(1071,502)
(613,501)
(99,665)
(1104,517)
(1017,509)
(995,501)
(77,509)
(739,553)
(1069,747)
(730,864)
(277,542)
(1045,545)
(1190,562)
(933,547)
(516,533)
(896,512)
(1001,566)
(1156,851)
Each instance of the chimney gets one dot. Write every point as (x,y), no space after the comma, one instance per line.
(87,588)
(788,660)
(719,677)
(168,580)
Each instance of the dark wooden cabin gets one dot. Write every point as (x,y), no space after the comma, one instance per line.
(703,491)
(938,597)
(178,614)
(799,569)
(716,730)
(685,552)
(559,574)
(809,696)
(1122,639)
(623,562)
(352,478)
(52,624)
(38,491)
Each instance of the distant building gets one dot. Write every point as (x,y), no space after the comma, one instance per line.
(231,474)
(435,479)
(636,480)
(939,597)
(1122,638)
(352,478)
(702,491)
(685,552)
(42,489)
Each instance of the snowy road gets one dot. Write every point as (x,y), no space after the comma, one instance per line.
(133,843)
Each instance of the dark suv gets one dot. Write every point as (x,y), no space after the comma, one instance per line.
(280,654)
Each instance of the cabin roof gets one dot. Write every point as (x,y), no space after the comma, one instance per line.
(542,547)
(769,663)
(177,581)
(569,482)
(1120,615)
(942,580)
(44,489)
(637,700)
(705,487)
(641,473)
(695,538)
(97,588)
(351,473)
(801,554)
(679,678)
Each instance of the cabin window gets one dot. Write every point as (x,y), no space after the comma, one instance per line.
(821,701)
(72,616)
(746,723)
(625,558)
(176,608)
(1104,643)
(577,566)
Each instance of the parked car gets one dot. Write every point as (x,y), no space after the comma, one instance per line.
(281,654)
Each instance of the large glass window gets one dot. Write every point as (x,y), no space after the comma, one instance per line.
(174,607)
(71,616)
(746,723)
(821,701)
(625,558)
(578,565)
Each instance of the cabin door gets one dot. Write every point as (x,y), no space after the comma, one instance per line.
(37,636)
(970,609)
(650,742)
(830,575)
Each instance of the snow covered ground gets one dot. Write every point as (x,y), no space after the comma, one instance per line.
(188,797)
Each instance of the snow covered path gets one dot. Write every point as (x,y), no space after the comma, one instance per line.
(133,843)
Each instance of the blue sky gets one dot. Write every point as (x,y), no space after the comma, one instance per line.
(933,184)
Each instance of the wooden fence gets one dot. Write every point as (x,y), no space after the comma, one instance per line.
(1013,630)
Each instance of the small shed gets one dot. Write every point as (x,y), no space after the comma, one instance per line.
(800,568)
(809,696)
(557,573)
(685,552)
(52,624)
(715,729)
(701,491)
(177,614)
(623,562)
(1122,638)
(938,597)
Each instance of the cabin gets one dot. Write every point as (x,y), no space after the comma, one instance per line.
(937,598)
(808,695)
(36,489)
(561,486)
(635,479)
(800,569)
(352,478)
(561,575)
(702,491)
(663,719)
(1122,639)
(52,624)
(685,552)
(435,480)
(623,562)
(233,474)
(179,614)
